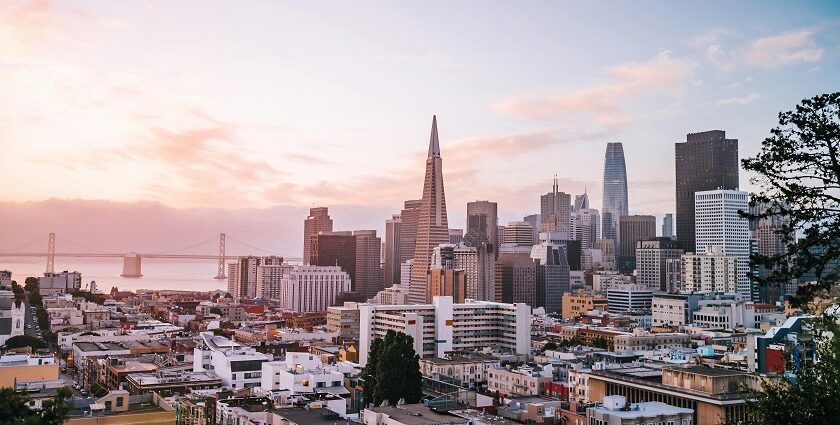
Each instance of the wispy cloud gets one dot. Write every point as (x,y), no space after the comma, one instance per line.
(739,100)
(662,73)
(784,49)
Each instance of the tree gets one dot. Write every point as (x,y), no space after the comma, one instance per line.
(550,345)
(798,173)
(600,342)
(30,284)
(216,310)
(811,398)
(21,341)
(16,411)
(393,371)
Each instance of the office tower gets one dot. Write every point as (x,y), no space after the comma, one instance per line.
(447,282)
(479,264)
(518,278)
(391,268)
(582,201)
(432,227)
(334,249)
(533,220)
(270,280)
(607,248)
(673,275)
(769,241)
(500,235)
(456,235)
(318,221)
(368,279)
(552,276)
(586,227)
(615,191)
(408,233)
(555,211)
(705,161)
(668,226)
(710,271)
(246,274)
(573,254)
(519,233)
(482,223)
(718,224)
(405,273)
(306,289)
(651,257)
(633,228)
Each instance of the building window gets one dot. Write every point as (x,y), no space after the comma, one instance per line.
(120,401)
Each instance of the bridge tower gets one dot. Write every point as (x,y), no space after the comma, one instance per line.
(51,254)
(221,274)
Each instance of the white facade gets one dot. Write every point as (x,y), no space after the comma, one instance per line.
(396,294)
(718,223)
(624,298)
(522,381)
(480,271)
(711,271)
(237,366)
(270,280)
(300,373)
(306,289)
(12,317)
(54,283)
(443,327)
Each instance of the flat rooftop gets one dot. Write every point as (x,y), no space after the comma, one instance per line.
(99,346)
(707,371)
(418,414)
(645,410)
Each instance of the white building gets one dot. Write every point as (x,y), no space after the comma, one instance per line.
(300,373)
(711,271)
(443,327)
(718,223)
(306,289)
(396,294)
(236,365)
(479,263)
(614,411)
(12,319)
(270,280)
(651,258)
(628,297)
(55,283)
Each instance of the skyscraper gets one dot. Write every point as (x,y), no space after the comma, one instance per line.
(633,228)
(391,269)
(555,211)
(482,223)
(706,161)
(582,201)
(318,221)
(615,191)
(586,227)
(368,279)
(668,226)
(719,225)
(432,224)
(534,220)
(769,236)
(652,256)
(519,233)
(408,233)
(552,276)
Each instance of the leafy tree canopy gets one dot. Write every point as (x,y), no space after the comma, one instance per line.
(21,341)
(393,371)
(15,409)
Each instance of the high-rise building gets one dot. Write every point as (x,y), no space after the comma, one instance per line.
(482,223)
(705,161)
(479,264)
(246,274)
(318,221)
(334,249)
(633,228)
(710,271)
(391,268)
(555,211)
(447,282)
(519,233)
(770,241)
(456,235)
(615,202)
(534,221)
(718,223)
(368,279)
(552,276)
(519,278)
(307,289)
(582,201)
(607,248)
(432,224)
(270,280)
(668,226)
(586,227)
(651,260)
(408,233)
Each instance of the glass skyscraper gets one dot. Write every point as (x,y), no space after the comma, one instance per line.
(615,191)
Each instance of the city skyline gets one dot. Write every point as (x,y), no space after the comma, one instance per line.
(210,144)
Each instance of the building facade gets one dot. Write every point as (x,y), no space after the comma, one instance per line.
(718,223)
(651,261)
(318,221)
(616,201)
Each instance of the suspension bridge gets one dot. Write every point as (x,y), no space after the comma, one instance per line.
(132,261)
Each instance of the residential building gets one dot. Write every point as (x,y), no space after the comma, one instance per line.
(270,280)
(615,411)
(443,326)
(711,271)
(318,221)
(408,414)
(22,368)
(652,255)
(312,288)
(59,283)
(237,366)
(468,370)
(432,224)
(718,223)
(575,304)
(396,294)
(524,380)
(646,341)
(705,161)
(615,203)
(344,320)
(168,383)
(300,373)
(673,310)
(246,275)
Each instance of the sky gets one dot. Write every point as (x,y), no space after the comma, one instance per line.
(245,109)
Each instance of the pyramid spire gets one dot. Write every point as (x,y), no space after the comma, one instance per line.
(434,144)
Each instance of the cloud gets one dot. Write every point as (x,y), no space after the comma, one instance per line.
(784,49)
(662,73)
(741,100)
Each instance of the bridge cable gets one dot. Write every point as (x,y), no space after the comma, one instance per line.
(186,247)
(32,242)
(229,237)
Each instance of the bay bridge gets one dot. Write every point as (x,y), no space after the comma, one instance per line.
(132,261)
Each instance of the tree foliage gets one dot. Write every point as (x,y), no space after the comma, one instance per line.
(30,284)
(21,341)
(15,409)
(550,345)
(811,398)
(798,172)
(600,342)
(392,371)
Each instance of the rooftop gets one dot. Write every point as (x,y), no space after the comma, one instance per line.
(645,409)
(707,371)
(417,414)
(303,416)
